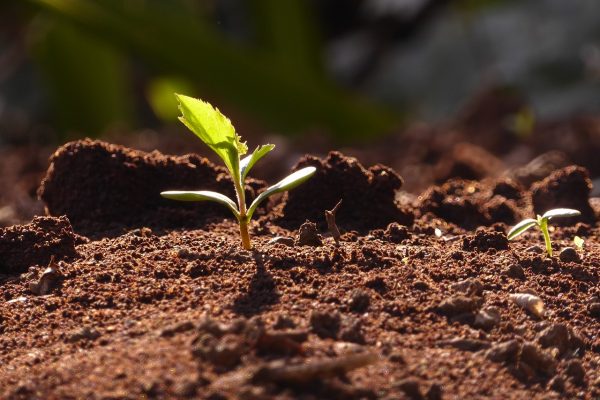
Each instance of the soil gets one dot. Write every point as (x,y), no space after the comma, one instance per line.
(100,186)
(421,299)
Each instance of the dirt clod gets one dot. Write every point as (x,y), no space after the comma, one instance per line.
(100,186)
(411,387)
(368,195)
(504,352)
(396,233)
(538,359)
(308,235)
(325,324)
(487,318)
(565,188)
(485,239)
(468,204)
(469,287)
(515,271)
(86,332)
(575,370)
(359,300)
(457,305)
(22,246)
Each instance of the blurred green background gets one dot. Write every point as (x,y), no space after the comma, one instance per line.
(351,70)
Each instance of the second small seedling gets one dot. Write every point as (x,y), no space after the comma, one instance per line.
(542,223)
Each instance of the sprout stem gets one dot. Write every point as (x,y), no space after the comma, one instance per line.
(243,218)
(544,229)
(244,234)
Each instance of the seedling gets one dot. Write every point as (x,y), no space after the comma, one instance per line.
(542,223)
(215,129)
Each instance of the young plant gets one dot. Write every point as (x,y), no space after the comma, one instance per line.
(542,223)
(215,129)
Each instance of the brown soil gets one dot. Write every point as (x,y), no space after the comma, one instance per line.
(153,307)
(368,195)
(101,186)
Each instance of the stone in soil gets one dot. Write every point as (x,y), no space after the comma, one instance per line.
(368,195)
(22,246)
(565,188)
(100,186)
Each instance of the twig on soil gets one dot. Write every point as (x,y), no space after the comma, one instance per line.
(331,225)
(294,374)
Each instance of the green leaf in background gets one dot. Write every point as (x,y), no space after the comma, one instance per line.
(172,40)
(87,78)
(214,129)
(159,93)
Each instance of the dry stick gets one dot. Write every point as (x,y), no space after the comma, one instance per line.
(331,225)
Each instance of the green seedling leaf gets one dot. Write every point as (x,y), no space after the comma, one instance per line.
(202,195)
(285,184)
(214,129)
(248,162)
(561,212)
(521,227)
(579,242)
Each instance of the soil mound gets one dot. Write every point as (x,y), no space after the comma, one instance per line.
(368,195)
(565,188)
(470,204)
(100,186)
(22,246)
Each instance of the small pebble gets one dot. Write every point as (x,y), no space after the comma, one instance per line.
(487,318)
(470,287)
(83,333)
(515,271)
(286,241)
(359,300)
(435,392)
(535,249)
(557,384)
(569,254)
(575,370)
(594,310)
(411,387)
(421,286)
(325,324)
(456,305)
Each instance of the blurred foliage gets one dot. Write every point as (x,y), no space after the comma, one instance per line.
(278,77)
(86,78)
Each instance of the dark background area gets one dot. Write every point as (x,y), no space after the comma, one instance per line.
(351,70)
(435,89)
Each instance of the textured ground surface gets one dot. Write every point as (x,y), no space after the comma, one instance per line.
(417,311)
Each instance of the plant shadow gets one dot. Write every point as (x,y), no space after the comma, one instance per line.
(261,294)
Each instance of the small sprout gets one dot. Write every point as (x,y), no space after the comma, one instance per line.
(215,129)
(542,223)
(579,242)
